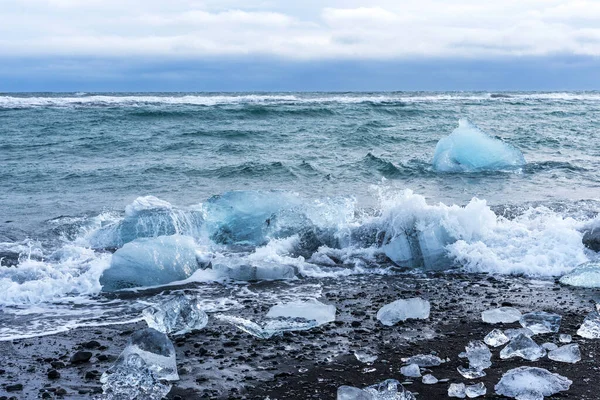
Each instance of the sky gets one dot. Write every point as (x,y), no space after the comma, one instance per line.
(277,45)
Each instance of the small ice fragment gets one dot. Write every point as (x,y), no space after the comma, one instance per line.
(513,333)
(541,322)
(523,347)
(411,370)
(496,338)
(457,390)
(179,315)
(475,390)
(429,379)
(310,310)
(564,338)
(270,328)
(352,393)
(423,360)
(585,275)
(471,373)
(401,310)
(549,346)
(389,389)
(143,370)
(364,357)
(568,353)
(505,315)
(530,383)
(590,328)
(479,355)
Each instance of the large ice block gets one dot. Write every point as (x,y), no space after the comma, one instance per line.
(505,315)
(530,383)
(401,310)
(585,275)
(524,347)
(541,322)
(590,328)
(179,315)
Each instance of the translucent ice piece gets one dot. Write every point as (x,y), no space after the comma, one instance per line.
(569,353)
(457,390)
(505,315)
(177,316)
(476,390)
(479,355)
(564,338)
(401,310)
(585,275)
(523,347)
(423,360)
(271,327)
(310,310)
(365,357)
(471,373)
(429,379)
(411,370)
(541,322)
(549,346)
(390,389)
(496,338)
(590,328)
(513,333)
(530,383)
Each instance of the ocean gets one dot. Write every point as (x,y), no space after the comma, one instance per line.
(197,188)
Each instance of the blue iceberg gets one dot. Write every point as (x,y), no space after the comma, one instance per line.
(468,149)
(150,262)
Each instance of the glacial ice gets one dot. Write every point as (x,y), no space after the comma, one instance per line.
(524,347)
(310,310)
(389,389)
(505,315)
(457,390)
(585,275)
(144,370)
(471,373)
(423,360)
(590,328)
(569,353)
(513,333)
(365,357)
(150,262)
(476,390)
(530,383)
(411,371)
(179,315)
(270,327)
(549,346)
(403,309)
(479,355)
(541,322)
(255,271)
(469,149)
(496,338)
(565,338)
(429,379)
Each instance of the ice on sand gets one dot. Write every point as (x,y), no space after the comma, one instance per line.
(590,328)
(471,373)
(549,346)
(530,383)
(240,270)
(524,347)
(144,370)
(389,389)
(564,338)
(310,310)
(423,360)
(457,390)
(541,322)
(365,357)
(476,390)
(585,275)
(496,338)
(411,371)
(479,355)
(505,315)
(178,315)
(429,379)
(468,149)
(271,327)
(513,333)
(401,310)
(569,353)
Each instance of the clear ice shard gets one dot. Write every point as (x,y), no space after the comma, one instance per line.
(590,328)
(239,270)
(469,149)
(524,347)
(479,355)
(569,353)
(505,315)
(423,360)
(271,327)
(496,338)
(530,383)
(144,370)
(389,389)
(429,379)
(401,310)
(471,373)
(457,390)
(151,262)
(564,338)
(585,275)
(365,357)
(310,310)
(549,346)
(411,371)
(513,333)
(179,315)
(476,390)
(541,322)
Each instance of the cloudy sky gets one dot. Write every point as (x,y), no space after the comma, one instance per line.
(299,45)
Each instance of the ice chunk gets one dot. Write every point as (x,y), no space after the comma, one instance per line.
(568,353)
(457,390)
(530,383)
(470,149)
(151,262)
(471,373)
(541,322)
(564,338)
(549,346)
(496,338)
(143,370)
(475,390)
(524,347)
(590,328)
(271,327)
(429,379)
(411,370)
(178,315)
(479,355)
(513,333)
(389,389)
(401,252)
(401,310)
(423,360)
(364,357)
(585,275)
(256,271)
(310,310)
(505,315)
(433,239)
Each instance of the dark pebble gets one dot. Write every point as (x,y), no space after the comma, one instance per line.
(53,374)
(81,357)
(14,388)
(92,344)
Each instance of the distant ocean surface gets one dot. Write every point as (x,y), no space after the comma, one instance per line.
(319,181)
